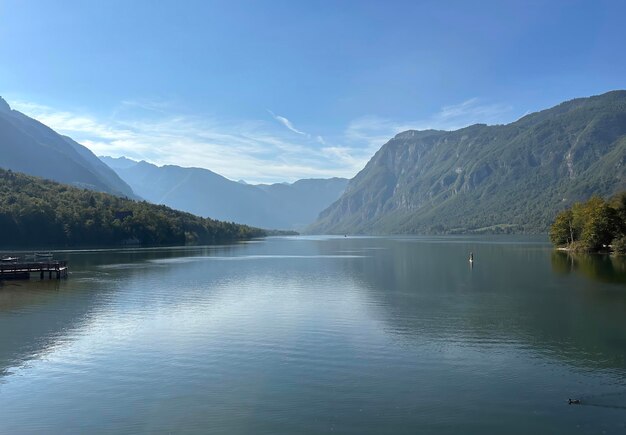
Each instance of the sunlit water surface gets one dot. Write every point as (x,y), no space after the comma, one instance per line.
(319,334)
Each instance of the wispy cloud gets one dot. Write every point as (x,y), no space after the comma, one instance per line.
(251,150)
(287,123)
(469,112)
(159,106)
(375,131)
(254,150)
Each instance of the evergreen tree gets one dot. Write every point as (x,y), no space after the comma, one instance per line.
(36,212)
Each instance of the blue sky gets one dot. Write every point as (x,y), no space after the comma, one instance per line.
(280,90)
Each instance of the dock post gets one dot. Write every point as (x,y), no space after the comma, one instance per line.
(41,275)
(49,274)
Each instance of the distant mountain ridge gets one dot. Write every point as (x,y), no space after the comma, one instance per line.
(206,193)
(28,146)
(512,177)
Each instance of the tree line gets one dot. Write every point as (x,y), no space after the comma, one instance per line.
(593,226)
(38,212)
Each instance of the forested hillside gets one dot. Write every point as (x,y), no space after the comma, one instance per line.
(37,212)
(500,178)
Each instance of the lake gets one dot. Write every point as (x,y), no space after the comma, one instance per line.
(319,334)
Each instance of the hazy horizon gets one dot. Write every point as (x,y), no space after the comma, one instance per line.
(241,180)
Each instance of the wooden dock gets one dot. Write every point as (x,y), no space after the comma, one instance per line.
(22,270)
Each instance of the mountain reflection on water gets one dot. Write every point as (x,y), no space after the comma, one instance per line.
(309,334)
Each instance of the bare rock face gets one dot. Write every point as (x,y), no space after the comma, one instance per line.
(509,178)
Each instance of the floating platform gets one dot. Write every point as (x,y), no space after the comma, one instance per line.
(22,270)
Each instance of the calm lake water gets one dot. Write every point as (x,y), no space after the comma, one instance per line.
(319,334)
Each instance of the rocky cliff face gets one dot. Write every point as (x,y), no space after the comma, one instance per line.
(512,177)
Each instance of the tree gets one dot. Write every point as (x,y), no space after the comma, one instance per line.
(39,212)
(562,230)
(590,226)
(599,224)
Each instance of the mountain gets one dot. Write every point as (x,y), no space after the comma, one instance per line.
(500,178)
(299,203)
(27,145)
(38,212)
(205,193)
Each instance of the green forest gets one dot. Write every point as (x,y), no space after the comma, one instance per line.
(597,225)
(38,212)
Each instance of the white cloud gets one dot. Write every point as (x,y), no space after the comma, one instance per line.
(252,150)
(287,123)
(375,131)
(470,112)
(159,106)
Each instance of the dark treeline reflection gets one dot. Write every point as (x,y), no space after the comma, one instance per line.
(305,334)
(599,267)
(429,293)
(424,290)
